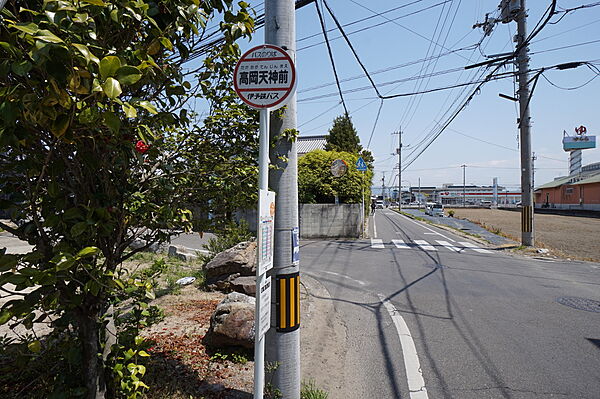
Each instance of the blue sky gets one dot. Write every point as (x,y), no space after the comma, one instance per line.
(484,136)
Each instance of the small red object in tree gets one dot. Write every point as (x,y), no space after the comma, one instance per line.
(141,147)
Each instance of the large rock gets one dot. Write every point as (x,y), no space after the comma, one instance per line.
(232,323)
(232,263)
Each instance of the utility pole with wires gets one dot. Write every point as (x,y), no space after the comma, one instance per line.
(282,344)
(399,153)
(527,228)
(383,186)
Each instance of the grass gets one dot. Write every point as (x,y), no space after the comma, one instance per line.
(310,391)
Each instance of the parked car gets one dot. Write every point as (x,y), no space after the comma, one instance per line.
(434,210)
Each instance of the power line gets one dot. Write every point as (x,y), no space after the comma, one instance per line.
(337,81)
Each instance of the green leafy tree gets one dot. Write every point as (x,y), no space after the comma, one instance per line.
(316,184)
(343,136)
(95,152)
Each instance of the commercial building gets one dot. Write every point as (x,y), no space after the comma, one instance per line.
(577,191)
(451,194)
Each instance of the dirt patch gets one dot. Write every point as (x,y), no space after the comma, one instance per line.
(566,236)
(181,366)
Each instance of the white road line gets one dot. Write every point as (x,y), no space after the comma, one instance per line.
(425,245)
(377,243)
(427,228)
(400,244)
(474,247)
(414,374)
(341,275)
(374,227)
(449,246)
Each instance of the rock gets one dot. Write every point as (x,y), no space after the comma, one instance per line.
(240,260)
(245,285)
(232,323)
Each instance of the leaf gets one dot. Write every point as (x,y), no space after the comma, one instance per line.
(83,49)
(47,36)
(22,67)
(143,354)
(112,88)
(35,346)
(78,228)
(60,125)
(95,2)
(166,43)
(5,316)
(65,263)
(87,251)
(112,121)
(8,262)
(138,340)
(130,111)
(72,213)
(148,106)
(109,66)
(128,75)
(29,28)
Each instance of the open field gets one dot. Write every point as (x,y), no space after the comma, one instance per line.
(571,236)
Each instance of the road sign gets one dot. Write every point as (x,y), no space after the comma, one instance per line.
(264,313)
(265,77)
(361,165)
(266,227)
(339,167)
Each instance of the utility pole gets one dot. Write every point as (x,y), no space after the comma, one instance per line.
(282,346)
(464,182)
(527,229)
(419,193)
(383,186)
(399,152)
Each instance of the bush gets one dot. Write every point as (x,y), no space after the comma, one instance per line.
(230,236)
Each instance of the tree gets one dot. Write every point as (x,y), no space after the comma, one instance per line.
(343,136)
(94,137)
(316,184)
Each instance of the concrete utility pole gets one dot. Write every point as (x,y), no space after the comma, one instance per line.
(383,186)
(464,187)
(399,152)
(527,229)
(282,347)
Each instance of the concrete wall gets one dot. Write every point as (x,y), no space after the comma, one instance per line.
(329,220)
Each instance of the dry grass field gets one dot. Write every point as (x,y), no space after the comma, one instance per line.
(570,236)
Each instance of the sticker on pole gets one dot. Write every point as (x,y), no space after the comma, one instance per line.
(265,77)
(266,227)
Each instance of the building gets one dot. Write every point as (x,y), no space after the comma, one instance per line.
(577,191)
(451,194)
(307,144)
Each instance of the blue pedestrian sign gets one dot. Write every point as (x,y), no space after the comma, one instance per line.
(361,165)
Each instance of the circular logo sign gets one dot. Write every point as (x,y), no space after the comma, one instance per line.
(265,77)
(339,167)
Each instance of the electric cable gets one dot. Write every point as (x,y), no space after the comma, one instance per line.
(331,57)
(375,124)
(570,88)
(320,115)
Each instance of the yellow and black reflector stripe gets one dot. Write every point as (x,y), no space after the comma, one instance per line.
(527,219)
(288,302)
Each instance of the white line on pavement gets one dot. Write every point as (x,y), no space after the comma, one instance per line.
(414,374)
(446,244)
(474,247)
(400,244)
(374,227)
(377,243)
(427,228)
(341,275)
(425,245)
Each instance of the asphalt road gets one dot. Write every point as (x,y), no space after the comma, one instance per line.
(479,323)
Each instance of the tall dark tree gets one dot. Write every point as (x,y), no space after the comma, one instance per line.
(343,136)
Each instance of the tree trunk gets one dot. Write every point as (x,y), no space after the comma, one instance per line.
(93,372)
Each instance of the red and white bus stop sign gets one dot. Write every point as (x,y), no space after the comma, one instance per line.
(265,77)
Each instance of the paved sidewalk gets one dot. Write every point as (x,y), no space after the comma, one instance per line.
(465,226)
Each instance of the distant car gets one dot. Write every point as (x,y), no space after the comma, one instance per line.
(414,203)
(379,205)
(434,210)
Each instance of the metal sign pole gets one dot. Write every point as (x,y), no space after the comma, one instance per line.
(263,184)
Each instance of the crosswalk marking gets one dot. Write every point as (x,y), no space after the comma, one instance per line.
(446,244)
(474,247)
(377,243)
(425,245)
(400,244)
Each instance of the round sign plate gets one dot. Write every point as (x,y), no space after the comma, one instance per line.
(265,77)
(339,167)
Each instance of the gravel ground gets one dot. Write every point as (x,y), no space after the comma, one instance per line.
(570,236)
